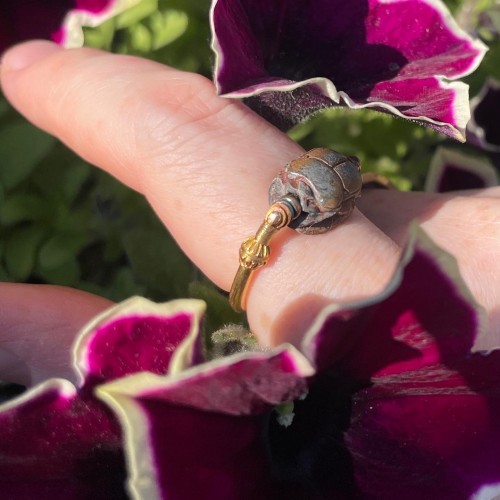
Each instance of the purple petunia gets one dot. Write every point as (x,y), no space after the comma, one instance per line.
(394,397)
(484,127)
(61,441)
(59,20)
(291,58)
(452,170)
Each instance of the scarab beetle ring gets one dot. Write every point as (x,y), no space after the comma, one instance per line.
(313,194)
(326,184)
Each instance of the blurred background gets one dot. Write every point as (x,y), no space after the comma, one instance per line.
(64,222)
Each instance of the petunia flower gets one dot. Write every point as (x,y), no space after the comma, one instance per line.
(61,441)
(292,58)
(59,20)
(452,170)
(419,365)
(403,402)
(484,127)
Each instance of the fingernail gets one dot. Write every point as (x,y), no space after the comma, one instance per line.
(23,55)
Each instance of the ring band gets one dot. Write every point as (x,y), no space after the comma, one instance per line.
(313,194)
(255,251)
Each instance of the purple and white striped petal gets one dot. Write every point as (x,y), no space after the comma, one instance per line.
(425,422)
(201,431)
(290,59)
(59,20)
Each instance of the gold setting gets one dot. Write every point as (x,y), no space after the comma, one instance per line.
(255,250)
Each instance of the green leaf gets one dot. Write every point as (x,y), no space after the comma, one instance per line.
(67,274)
(23,207)
(124,284)
(219,312)
(100,37)
(167,26)
(3,274)
(20,251)
(22,146)
(73,179)
(490,62)
(60,249)
(4,107)
(141,38)
(136,13)
(157,261)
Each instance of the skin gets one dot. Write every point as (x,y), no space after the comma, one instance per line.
(205,164)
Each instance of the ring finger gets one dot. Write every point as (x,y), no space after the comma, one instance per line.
(205,165)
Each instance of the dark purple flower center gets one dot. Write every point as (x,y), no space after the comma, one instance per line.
(309,458)
(299,41)
(25,19)
(455,176)
(486,116)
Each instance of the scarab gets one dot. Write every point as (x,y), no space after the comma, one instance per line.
(325,182)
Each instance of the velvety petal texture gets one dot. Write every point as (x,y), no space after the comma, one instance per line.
(58,440)
(484,127)
(392,397)
(424,417)
(58,443)
(188,427)
(60,20)
(452,170)
(196,449)
(290,58)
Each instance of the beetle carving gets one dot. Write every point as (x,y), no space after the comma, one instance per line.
(326,184)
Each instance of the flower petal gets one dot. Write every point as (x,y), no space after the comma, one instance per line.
(359,53)
(394,331)
(139,335)
(484,127)
(55,444)
(88,13)
(430,433)
(214,412)
(427,422)
(24,19)
(451,170)
(60,20)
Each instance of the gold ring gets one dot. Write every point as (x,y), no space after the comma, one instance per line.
(313,194)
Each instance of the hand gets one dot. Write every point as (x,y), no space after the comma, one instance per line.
(466,224)
(205,165)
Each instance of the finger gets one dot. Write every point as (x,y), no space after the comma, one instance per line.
(449,218)
(161,131)
(38,324)
(392,211)
(205,165)
(466,224)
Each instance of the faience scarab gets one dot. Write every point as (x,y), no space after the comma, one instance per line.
(325,182)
